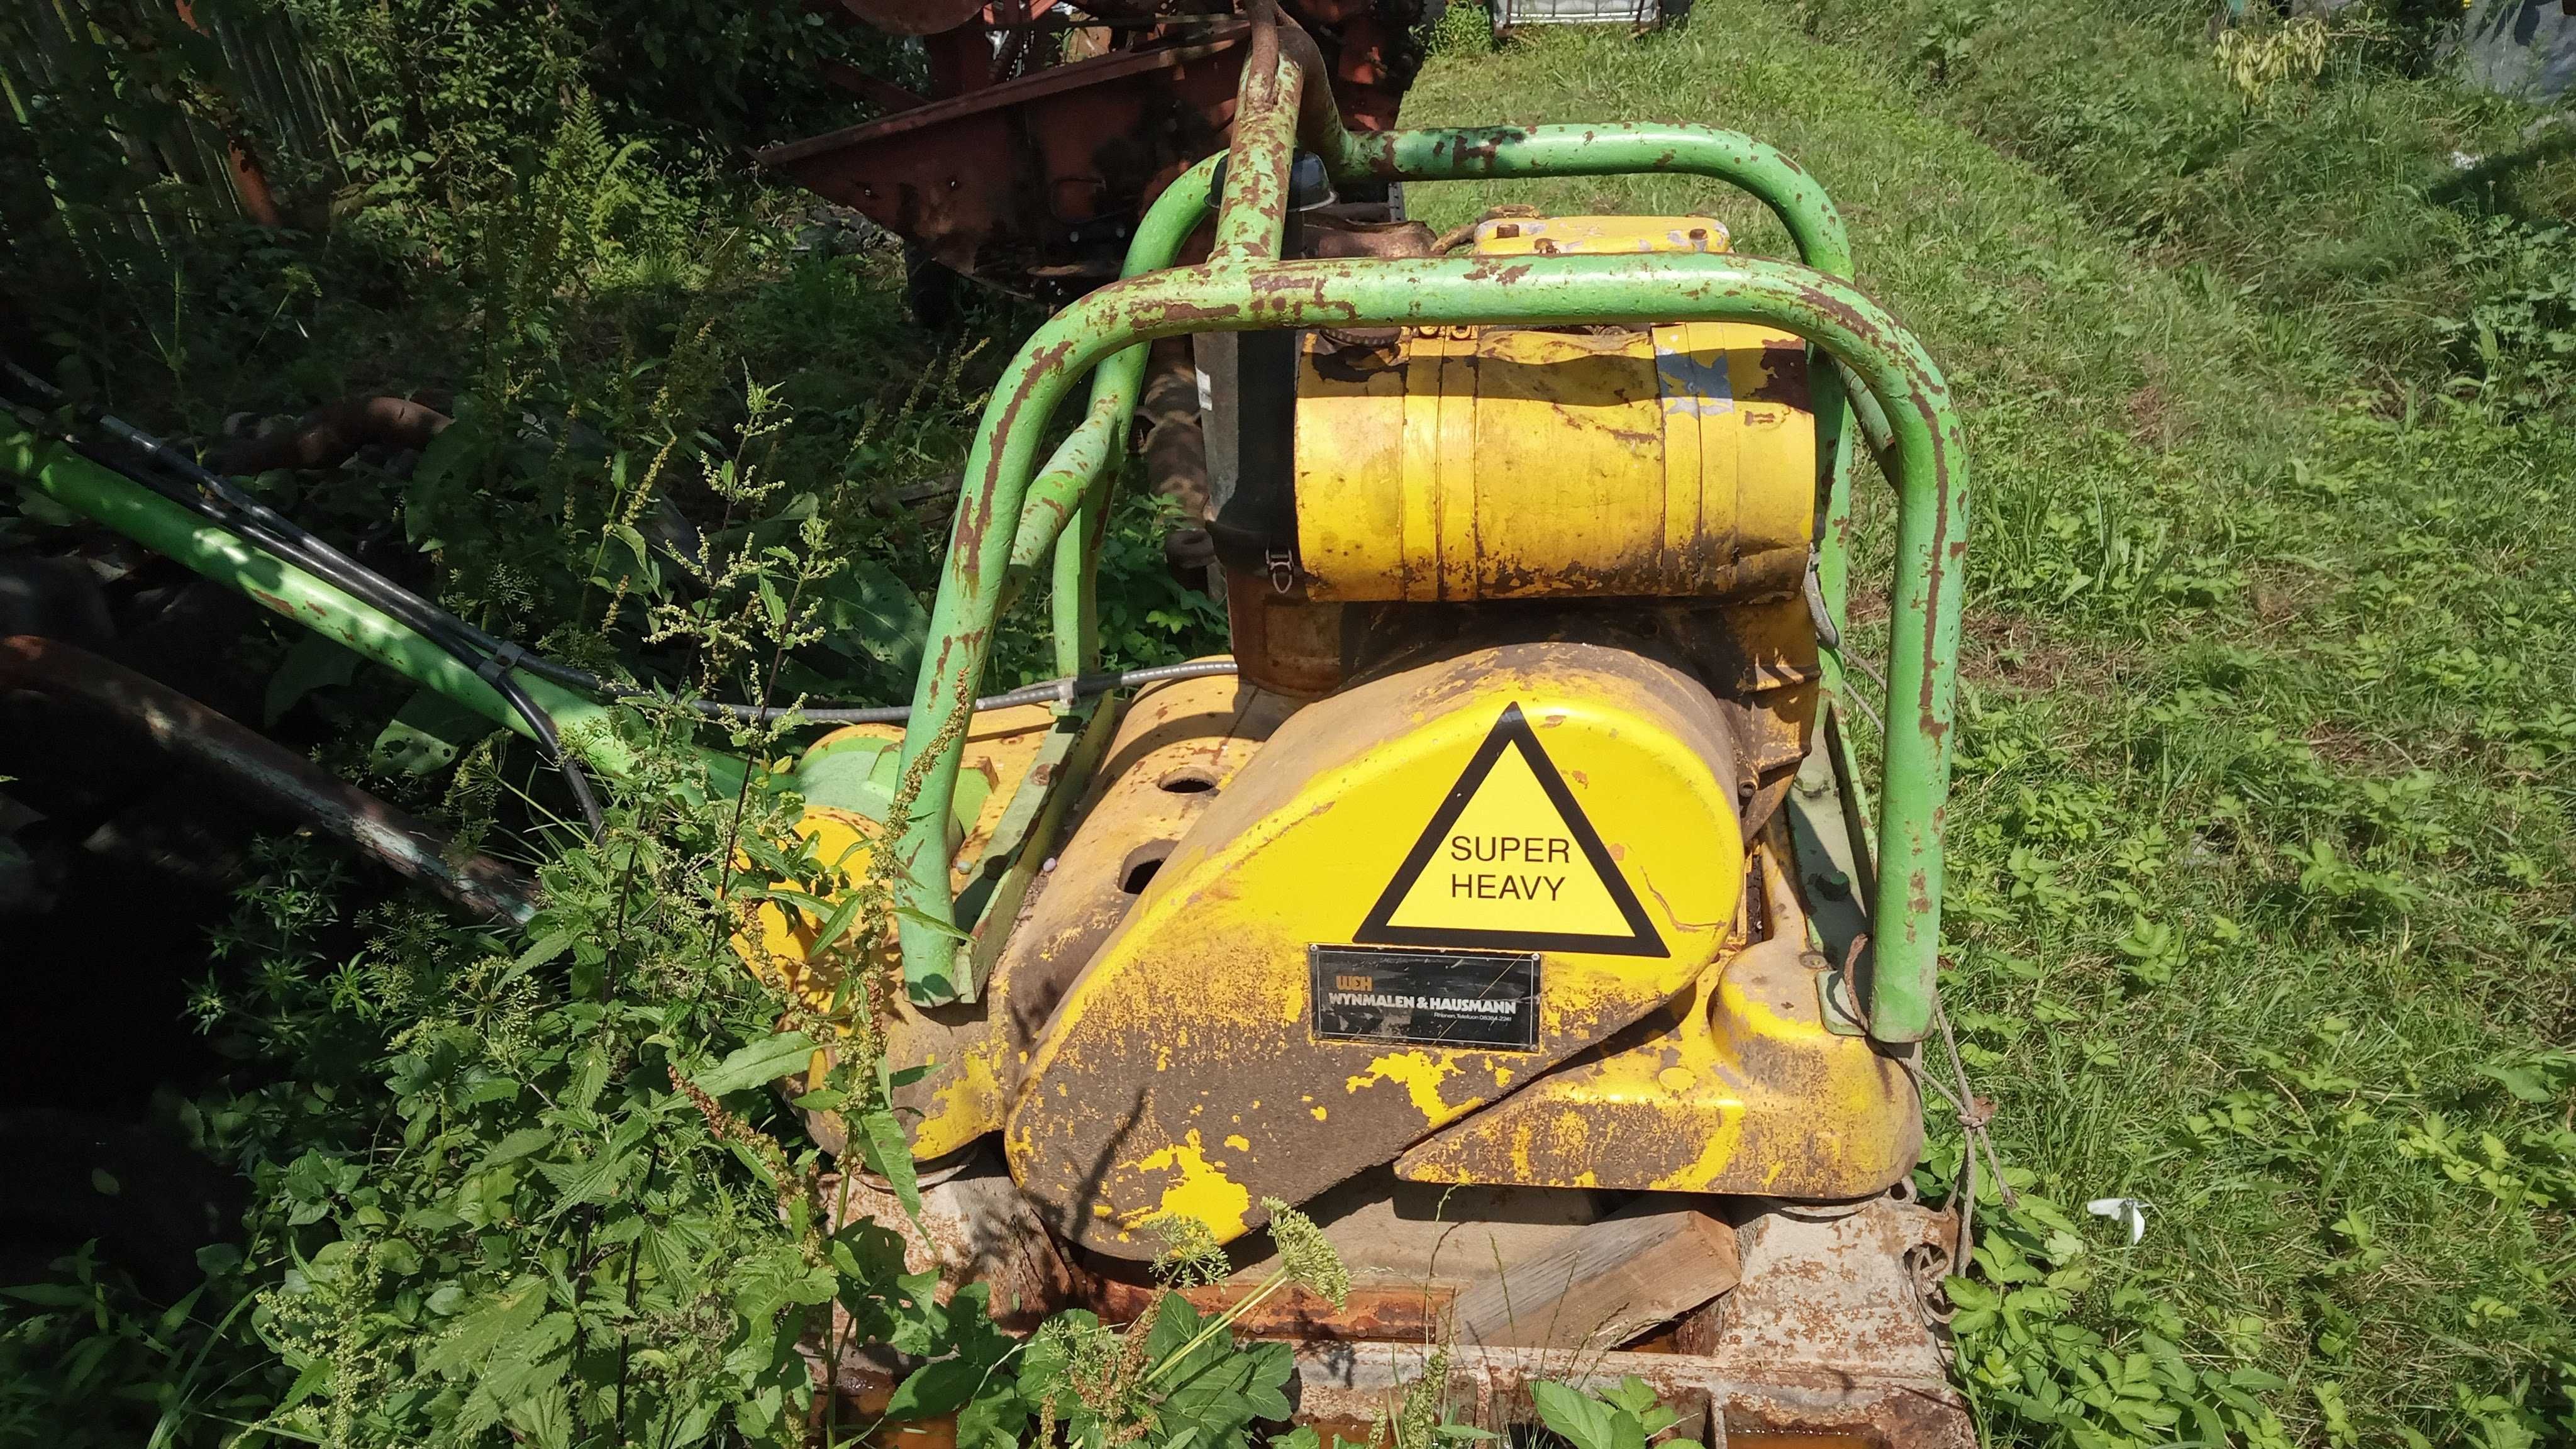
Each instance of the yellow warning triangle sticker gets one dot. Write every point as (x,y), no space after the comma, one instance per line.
(1509,862)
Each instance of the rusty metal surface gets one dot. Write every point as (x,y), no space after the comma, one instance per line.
(268,774)
(974,1228)
(914,17)
(1824,1341)
(1252,214)
(1028,183)
(1484,1266)
(1328,235)
(1281,641)
(1350,1387)
(1838,1289)
(1824,1335)
(1399,1314)
(1032,184)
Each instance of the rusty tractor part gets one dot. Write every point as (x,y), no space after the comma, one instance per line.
(1032,185)
(1048,132)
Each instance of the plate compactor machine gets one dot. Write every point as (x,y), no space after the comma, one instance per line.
(1509,901)
(1509,904)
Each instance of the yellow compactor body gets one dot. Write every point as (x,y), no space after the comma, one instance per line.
(1490,911)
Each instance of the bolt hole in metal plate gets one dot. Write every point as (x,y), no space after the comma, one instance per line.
(1189,780)
(1141,865)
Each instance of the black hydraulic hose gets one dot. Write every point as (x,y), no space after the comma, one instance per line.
(487,657)
(259,523)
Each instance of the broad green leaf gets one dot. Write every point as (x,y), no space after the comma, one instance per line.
(522,1143)
(936,1389)
(1583,1421)
(888,1153)
(316,661)
(758,1064)
(592,1180)
(545,950)
(872,614)
(50,1295)
(502,1316)
(2525,1081)
(545,1421)
(428,732)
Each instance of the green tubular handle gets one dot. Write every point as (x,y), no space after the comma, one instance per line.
(1467,291)
(55,470)
(1089,448)
(1472,153)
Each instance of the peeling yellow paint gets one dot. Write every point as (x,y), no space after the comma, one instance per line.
(1239,1142)
(1420,1076)
(1204,1191)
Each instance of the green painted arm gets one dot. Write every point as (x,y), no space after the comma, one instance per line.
(101,493)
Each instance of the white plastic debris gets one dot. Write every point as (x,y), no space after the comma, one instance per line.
(2129,1212)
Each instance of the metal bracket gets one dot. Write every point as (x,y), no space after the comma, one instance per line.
(1833,874)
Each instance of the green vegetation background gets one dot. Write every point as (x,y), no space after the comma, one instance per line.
(2262,843)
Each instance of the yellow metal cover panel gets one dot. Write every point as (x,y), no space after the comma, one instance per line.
(1557,236)
(1177,747)
(1564,811)
(1494,463)
(1744,1091)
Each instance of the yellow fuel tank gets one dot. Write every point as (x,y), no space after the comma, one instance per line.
(1501,463)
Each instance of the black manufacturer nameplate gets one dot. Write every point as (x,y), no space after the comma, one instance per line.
(1426,998)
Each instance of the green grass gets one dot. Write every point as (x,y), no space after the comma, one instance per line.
(2261,843)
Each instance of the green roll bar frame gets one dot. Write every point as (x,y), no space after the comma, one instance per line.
(55,469)
(1006,520)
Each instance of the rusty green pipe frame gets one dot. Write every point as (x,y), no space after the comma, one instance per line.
(1252,218)
(1502,152)
(96,491)
(1468,291)
(1251,225)
(1090,448)
(1762,171)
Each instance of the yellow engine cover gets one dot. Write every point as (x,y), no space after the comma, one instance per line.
(1499,463)
(1743,1088)
(1420,894)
